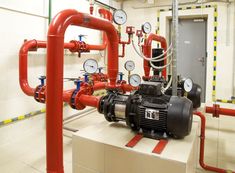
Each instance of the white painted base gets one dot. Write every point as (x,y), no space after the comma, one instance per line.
(100,148)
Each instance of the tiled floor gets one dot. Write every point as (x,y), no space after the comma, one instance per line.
(26,153)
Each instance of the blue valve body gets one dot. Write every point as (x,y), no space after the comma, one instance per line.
(86,78)
(78,84)
(42,80)
(121,76)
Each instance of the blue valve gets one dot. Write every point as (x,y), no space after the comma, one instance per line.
(86,77)
(78,84)
(42,80)
(121,76)
(100,69)
(80,37)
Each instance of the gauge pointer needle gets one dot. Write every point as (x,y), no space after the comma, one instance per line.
(120,17)
(90,66)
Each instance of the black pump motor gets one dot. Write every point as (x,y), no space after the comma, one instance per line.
(150,112)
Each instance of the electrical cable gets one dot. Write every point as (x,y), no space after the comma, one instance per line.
(160,67)
(156,60)
(168,85)
(150,59)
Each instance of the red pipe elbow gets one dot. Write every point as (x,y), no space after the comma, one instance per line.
(147,49)
(23,64)
(202,147)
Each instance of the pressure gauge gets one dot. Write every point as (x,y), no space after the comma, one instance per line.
(119,17)
(90,66)
(134,80)
(188,85)
(146,27)
(130,65)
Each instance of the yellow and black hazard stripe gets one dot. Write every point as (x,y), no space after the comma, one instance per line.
(38,112)
(22,117)
(225,101)
(214,54)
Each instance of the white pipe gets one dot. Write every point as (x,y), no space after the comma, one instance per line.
(234,49)
(175,25)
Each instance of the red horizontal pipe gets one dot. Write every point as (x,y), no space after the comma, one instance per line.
(99,85)
(55,61)
(217,111)
(147,50)
(202,147)
(88,100)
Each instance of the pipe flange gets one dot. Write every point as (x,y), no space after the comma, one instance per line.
(216,112)
(39,94)
(76,46)
(75,102)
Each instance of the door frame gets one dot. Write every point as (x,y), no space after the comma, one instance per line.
(164,23)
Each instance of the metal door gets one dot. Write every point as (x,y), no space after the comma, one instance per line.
(192,51)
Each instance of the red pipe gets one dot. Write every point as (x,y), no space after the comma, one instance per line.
(216,111)
(109,16)
(31,45)
(147,50)
(88,100)
(202,147)
(99,85)
(23,63)
(123,51)
(54,95)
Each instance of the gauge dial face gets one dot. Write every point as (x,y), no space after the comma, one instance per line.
(119,17)
(134,80)
(130,65)
(90,66)
(188,85)
(146,27)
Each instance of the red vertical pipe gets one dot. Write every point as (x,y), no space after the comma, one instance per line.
(148,50)
(106,15)
(55,62)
